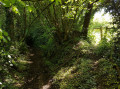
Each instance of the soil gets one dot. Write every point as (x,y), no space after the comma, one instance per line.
(38,74)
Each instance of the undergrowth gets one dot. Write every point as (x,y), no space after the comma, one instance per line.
(13,63)
(73,68)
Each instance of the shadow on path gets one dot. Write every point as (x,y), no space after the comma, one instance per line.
(38,74)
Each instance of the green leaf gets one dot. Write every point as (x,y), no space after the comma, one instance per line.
(30,9)
(0,32)
(57,2)
(90,2)
(5,33)
(101,1)
(4,39)
(22,3)
(15,9)
(60,1)
(51,0)
(6,3)
(1,37)
(8,38)
(12,1)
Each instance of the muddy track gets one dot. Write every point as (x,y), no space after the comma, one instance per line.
(38,75)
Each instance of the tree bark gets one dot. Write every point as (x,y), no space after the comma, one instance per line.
(25,23)
(87,20)
(9,23)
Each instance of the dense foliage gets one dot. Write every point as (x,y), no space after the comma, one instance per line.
(65,33)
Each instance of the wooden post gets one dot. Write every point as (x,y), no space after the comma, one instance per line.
(105,34)
(101,33)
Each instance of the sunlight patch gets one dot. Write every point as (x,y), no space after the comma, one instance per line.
(101,16)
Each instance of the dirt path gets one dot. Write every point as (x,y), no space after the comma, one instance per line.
(38,76)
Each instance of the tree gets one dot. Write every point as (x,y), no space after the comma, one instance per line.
(113,7)
(87,18)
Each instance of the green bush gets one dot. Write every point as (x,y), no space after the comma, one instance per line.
(10,53)
(103,48)
(106,76)
(43,39)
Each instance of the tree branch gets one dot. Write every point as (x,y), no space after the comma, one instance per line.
(37,17)
(40,14)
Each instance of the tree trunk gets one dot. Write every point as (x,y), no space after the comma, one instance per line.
(25,23)
(87,20)
(9,23)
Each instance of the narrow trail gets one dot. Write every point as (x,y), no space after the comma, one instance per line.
(38,75)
